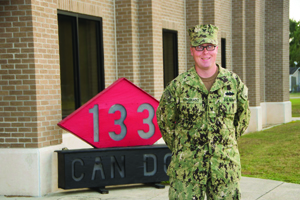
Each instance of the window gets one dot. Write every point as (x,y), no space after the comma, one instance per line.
(223,52)
(81,59)
(170,55)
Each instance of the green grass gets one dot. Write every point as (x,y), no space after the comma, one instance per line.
(272,154)
(295,94)
(295,107)
(295,100)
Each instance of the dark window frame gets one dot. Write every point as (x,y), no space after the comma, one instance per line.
(175,52)
(223,52)
(100,52)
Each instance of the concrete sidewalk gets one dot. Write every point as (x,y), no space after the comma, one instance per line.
(252,189)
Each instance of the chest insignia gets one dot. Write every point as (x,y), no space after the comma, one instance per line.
(191,100)
(229,94)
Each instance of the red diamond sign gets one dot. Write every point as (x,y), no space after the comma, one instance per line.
(119,116)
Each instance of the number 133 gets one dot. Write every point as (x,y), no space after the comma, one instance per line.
(120,121)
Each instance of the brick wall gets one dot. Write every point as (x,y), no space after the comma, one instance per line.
(262,49)
(136,42)
(15,63)
(253,51)
(277,50)
(146,34)
(47,73)
(157,77)
(209,11)
(125,30)
(194,16)
(286,51)
(223,19)
(30,91)
(254,41)
(238,38)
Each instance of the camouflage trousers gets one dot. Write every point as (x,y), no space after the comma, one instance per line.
(186,191)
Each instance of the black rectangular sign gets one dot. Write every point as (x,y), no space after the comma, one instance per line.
(94,168)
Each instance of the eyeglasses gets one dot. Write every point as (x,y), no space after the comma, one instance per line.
(208,48)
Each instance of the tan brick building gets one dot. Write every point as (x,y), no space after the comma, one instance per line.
(40,66)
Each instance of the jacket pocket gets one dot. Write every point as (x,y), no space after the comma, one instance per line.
(229,105)
(191,110)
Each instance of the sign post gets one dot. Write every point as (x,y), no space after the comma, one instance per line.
(97,168)
(120,122)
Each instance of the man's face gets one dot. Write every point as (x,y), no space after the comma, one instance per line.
(204,60)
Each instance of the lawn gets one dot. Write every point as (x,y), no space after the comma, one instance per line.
(295,100)
(295,107)
(295,94)
(272,154)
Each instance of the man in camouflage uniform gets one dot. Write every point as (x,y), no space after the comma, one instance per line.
(201,115)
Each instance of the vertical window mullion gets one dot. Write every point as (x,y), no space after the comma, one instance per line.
(100,57)
(76,65)
(175,54)
(223,52)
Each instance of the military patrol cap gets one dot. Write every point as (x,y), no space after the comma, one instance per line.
(202,34)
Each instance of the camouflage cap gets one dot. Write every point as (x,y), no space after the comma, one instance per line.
(202,34)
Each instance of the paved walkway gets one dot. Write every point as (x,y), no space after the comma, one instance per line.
(295,118)
(252,189)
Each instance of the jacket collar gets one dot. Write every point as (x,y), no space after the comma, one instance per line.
(194,80)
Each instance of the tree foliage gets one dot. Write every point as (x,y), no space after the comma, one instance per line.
(294,42)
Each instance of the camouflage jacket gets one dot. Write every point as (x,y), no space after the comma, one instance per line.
(201,128)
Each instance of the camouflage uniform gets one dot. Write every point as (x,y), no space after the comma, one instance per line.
(201,128)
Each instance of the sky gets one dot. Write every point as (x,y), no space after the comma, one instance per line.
(295,9)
